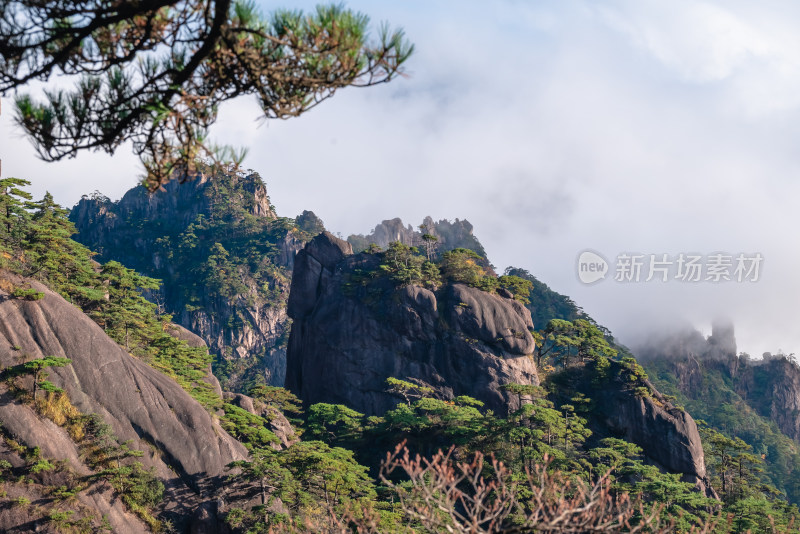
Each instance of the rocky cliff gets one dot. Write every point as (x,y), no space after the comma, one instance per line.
(348,338)
(223,255)
(771,385)
(344,345)
(449,235)
(667,434)
(181,441)
(757,401)
(773,388)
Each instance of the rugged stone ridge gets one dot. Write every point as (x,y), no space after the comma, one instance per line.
(107,224)
(186,446)
(450,235)
(667,435)
(773,387)
(770,385)
(142,230)
(459,341)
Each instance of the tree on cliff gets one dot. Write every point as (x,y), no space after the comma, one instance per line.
(560,340)
(36,369)
(155,72)
(51,256)
(13,215)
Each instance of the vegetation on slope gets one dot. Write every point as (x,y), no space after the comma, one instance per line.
(36,244)
(714,400)
(219,252)
(332,475)
(405,265)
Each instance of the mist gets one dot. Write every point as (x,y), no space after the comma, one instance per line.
(553,127)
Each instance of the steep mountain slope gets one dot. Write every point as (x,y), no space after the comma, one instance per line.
(223,254)
(353,329)
(225,259)
(755,400)
(181,441)
(457,339)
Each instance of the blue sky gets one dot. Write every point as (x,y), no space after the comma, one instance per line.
(619,126)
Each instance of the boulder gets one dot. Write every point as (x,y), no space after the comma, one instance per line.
(343,346)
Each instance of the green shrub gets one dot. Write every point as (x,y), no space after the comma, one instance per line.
(462,265)
(42,465)
(519,287)
(27,294)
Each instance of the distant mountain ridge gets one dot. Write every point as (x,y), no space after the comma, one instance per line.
(449,235)
(755,400)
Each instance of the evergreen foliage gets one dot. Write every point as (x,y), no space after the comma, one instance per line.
(332,472)
(155,73)
(221,257)
(714,400)
(111,294)
(406,265)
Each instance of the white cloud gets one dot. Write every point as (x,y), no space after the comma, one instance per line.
(700,41)
(750,48)
(554,127)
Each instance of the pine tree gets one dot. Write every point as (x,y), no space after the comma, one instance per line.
(126,311)
(156,73)
(53,257)
(14,217)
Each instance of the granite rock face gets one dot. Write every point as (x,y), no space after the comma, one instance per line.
(449,235)
(667,435)
(141,231)
(771,385)
(459,341)
(180,439)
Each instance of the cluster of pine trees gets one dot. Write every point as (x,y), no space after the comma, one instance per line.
(334,476)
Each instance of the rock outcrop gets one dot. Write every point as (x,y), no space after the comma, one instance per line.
(348,338)
(667,434)
(248,326)
(771,386)
(180,439)
(449,235)
(343,346)
(98,219)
